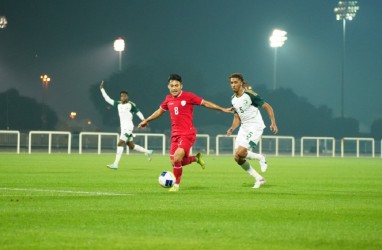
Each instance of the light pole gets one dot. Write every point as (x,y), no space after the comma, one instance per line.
(119,46)
(45,80)
(277,40)
(7,108)
(345,10)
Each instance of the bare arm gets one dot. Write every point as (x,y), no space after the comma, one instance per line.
(212,105)
(154,116)
(235,123)
(105,96)
(271,115)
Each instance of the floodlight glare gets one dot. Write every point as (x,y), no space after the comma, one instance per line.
(278,38)
(45,80)
(3,22)
(119,45)
(346,10)
(73,115)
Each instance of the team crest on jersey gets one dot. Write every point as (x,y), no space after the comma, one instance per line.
(183,102)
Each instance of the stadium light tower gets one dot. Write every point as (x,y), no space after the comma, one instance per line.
(45,80)
(345,10)
(119,46)
(277,40)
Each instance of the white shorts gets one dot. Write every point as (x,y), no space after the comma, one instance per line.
(248,138)
(127,135)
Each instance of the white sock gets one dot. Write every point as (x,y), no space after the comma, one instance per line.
(252,155)
(118,155)
(140,149)
(249,169)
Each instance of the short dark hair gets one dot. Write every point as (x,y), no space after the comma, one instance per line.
(237,75)
(123,92)
(175,77)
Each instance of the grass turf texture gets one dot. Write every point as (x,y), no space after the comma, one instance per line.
(71,202)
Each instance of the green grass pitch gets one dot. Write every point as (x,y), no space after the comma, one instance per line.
(73,201)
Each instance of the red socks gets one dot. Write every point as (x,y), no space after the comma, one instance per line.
(188,160)
(178,170)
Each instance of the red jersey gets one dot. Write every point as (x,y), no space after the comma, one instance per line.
(181,112)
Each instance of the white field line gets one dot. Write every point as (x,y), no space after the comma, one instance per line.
(62,191)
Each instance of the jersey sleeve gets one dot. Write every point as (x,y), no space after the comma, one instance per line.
(234,110)
(140,115)
(194,99)
(257,100)
(134,108)
(164,105)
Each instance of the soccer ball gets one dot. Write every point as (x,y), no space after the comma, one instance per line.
(166,179)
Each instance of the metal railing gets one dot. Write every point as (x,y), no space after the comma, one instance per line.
(276,145)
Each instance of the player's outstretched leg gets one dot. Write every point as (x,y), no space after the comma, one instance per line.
(260,157)
(263,163)
(118,156)
(141,149)
(258,183)
(149,154)
(200,160)
(112,166)
(251,171)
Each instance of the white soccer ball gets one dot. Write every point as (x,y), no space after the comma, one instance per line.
(166,179)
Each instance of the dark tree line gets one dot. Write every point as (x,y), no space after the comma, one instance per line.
(24,113)
(147,87)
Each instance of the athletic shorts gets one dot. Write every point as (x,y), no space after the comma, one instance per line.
(126,135)
(248,138)
(182,141)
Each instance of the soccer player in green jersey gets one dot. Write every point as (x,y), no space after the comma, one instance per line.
(246,104)
(126,109)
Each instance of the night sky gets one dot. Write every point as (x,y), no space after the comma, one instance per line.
(72,41)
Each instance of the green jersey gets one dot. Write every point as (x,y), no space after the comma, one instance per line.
(247,107)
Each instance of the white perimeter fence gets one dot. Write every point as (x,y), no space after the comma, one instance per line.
(102,142)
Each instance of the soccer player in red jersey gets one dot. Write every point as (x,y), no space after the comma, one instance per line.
(180,104)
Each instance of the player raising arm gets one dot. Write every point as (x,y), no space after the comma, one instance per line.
(126,109)
(183,133)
